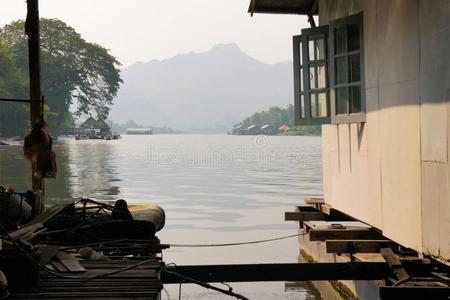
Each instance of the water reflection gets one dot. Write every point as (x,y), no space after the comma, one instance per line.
(214,189)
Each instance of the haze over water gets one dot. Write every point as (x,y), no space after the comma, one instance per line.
(214,189)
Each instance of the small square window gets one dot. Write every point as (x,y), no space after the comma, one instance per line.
(340,44)
(355,92)
(353,37)
(341,101)
(341,70)
(347,76)
(354,66)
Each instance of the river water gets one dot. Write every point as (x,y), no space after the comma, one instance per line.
(214,189)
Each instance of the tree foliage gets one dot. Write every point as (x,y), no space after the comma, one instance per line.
(74,71)
(277,116)
(13,115)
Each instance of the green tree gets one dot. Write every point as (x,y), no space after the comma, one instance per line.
(73,70)
(13,115)
(277,116)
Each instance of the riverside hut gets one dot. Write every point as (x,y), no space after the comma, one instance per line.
(375,74)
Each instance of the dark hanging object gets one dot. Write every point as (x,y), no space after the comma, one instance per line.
(37,147)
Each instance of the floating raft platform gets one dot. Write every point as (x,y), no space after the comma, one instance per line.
(122,260)
(142,282)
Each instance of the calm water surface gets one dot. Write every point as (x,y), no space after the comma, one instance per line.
(214,189)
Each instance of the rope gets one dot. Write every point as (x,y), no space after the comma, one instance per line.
(236,243)
(228,292)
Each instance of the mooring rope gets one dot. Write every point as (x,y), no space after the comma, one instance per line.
(236,243)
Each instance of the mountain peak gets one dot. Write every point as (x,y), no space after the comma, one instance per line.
(226,48)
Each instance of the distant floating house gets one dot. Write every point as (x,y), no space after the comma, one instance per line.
(144,131)
(268,130)
(254,130)
(92,123)
(283,128)
(239,130)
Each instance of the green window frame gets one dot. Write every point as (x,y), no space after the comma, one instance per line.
(312,104)
(329,73)
(347,89)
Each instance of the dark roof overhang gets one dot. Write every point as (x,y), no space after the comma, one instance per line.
(299,7)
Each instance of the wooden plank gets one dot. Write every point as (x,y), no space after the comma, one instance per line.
(336,224)
(394,262)
(47,214)
(71,263)
(368,257)
(304,216)
(47,253)
(306,208)
(314,200)
(59,266)
(357,246)
(343,234)
(25,230)
(278,272)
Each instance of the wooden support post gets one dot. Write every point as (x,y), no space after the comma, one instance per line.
(357,246)
(36,109)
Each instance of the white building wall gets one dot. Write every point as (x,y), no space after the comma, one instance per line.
(434,24)
(393,172)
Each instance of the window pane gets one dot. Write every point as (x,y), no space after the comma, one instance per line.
(313,101)
(340,44)
(353,37)
(322,104)
(312,78)
(356,99)
(301,80)
(311,50)
(300,53)
(302,106)
(341,101)
(320,49)
(341,70)
(354,67)
(322,77)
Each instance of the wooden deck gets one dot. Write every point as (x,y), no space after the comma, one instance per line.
(142,282)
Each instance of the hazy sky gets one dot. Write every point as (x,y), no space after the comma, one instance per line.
(142,30)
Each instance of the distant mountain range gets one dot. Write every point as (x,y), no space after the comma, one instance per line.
(201,92)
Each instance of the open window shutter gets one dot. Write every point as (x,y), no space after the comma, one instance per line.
(311,88)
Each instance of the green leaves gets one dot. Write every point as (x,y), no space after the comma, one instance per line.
(75,73)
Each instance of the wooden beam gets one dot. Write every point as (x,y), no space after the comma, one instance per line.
(306,208)
(278,272)
(343,234)
(304,216)
(357,246)
(395,264)
(36,105)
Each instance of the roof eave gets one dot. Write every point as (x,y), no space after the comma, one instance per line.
(297,7)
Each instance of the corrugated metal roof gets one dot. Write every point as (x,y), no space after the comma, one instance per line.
(299,7)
